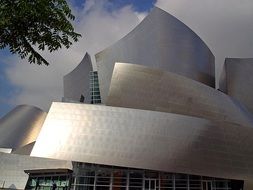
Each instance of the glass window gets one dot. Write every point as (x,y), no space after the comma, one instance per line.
(135,188)
(166,180)
(103,178)
(89,173)
(118,188)
(195,183)
(78,187)
(166,176)
(135,175)
(151,174)
(135,179)
(96,94)
(119,173)
(135,182)
(166,183)
(32,181)
(221,184)
(41,181)
(180,176)
(48,181)
(181,183)
(119,181)
(103,181)
(80,180)
(119,178)
(102,188)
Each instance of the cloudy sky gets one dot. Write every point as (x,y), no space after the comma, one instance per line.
(225,25)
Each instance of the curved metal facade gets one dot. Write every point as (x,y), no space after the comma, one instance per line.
(21,126)
(146,139)
(136,86)
(159,41)
(237,80)
(76,83)
(24,150)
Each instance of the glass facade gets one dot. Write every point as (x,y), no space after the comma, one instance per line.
(94,88)
(98,177)
(45,181)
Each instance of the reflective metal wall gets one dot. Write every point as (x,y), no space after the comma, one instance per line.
(12,166)
(136,86)
(76,83)
(146,139)
(239,80)
(21,126)
(24,150)
(159,41)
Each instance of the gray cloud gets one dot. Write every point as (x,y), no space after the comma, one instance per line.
(225,25)
(40,85)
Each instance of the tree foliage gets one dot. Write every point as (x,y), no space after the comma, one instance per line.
(45,24)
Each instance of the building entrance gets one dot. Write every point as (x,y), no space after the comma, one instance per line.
(100,177)
(206,185)
(150,184)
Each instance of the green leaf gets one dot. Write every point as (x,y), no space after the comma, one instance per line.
(41,23)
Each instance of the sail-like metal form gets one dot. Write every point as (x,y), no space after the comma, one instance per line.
(158,90)
(76,83)
(21,126)
(160,41)
(237,80)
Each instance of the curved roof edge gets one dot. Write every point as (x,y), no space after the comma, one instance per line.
(86,60)
(76,83)
(135,28)
(21,126)
(22,106)
(158,8)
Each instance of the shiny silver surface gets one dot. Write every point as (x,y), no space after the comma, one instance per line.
(21,126)
(222,80)
(146,139)
(159,41)
(24,150)
(12,166)
(238,80)
(76,83)
(136,86)
(5,150)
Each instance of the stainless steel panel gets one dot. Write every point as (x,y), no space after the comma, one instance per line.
(136,86)
(77,82)
(223,79)
(21,126)
(24,150)
(146,139)
(159,41)
(12,166)
(239,80)
(5,150)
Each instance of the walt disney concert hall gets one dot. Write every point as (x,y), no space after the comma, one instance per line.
(148,118)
